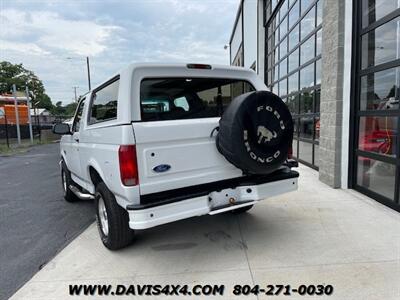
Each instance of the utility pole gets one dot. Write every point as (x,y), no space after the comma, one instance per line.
(75,87)
(88,71)
(16,113)
(29,113)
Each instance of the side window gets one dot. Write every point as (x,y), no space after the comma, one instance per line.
(182,103)
(78,117)
(104,103)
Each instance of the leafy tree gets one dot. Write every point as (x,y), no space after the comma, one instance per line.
(16,73)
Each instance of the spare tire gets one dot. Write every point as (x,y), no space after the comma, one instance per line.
(256,132)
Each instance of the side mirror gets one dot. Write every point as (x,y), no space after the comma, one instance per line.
(61,128)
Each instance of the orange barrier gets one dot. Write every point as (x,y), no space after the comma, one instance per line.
(9,111)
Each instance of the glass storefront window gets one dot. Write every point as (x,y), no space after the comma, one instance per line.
(294,14)
(317,99)
(380,90)
(306,103)
(284,8)
(319,11)
(306,127)
(318,72)
(374,10)
(283,28)
(294,37)
(378,135)
(283,87)
(293,83)
(307,50)
(276,72)
(305,4)
(305,151)
(376,176)
(308,23)
(276,55)
(293,104)
(381,44)
(317,128)
(283,68)
(319,42)
(283,48)
(294,60)
(307,76)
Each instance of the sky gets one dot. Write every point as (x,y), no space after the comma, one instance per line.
(42,35)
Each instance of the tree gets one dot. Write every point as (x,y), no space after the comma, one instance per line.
(16,74)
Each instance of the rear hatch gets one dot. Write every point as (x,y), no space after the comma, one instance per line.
(175,139)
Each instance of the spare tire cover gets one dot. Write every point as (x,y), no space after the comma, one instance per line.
(256,132)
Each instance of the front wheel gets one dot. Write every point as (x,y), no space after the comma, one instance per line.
(112,220)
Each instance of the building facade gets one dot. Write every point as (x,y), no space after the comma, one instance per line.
(336,64)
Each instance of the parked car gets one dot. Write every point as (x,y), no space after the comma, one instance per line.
(159,143)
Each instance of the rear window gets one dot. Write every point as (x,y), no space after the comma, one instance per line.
(188,98)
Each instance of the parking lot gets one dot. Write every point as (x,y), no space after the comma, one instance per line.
(35,221)
(316,235)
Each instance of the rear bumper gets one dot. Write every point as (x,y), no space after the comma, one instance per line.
(213,203)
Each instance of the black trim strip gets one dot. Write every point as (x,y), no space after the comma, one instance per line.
(176,195)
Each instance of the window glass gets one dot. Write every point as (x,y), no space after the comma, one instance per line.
(306,127)
(307,50)
(188,98)
(294,60)
(380,90)
(319,11)
(381,44)
(283,87)
(283,48)
(294,37)
(318,72)
(276,72)
(276,37)
(78,117)
(316,128)
(283,68)
(305,4)
(104,103)
(305,151)
(276,54)
(319,42)
(283,28)
(376,176)
(378,135)
(284,8)
(306,103)
(375,10)
(293,83)
(308,23)
(294,14)
(269,77)
(307,76)
(293,104)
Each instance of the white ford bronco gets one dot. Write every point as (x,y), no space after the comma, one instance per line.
(160,143)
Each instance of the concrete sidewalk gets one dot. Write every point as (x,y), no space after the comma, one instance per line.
(316,235)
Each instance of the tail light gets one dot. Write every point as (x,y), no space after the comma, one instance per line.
(128,165)
(199,66)
(290,152)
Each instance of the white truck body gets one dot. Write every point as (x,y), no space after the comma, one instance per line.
(185,145)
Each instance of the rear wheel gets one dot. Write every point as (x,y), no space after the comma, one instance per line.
(66,181)
(112,220)
(242,209)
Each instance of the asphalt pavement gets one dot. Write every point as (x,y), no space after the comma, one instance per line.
(35,221)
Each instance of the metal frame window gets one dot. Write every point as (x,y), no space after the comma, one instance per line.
(375,130)
(292,70)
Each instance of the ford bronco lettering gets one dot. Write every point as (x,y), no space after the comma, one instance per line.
(160,143)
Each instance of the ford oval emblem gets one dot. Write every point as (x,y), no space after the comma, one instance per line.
(161,168)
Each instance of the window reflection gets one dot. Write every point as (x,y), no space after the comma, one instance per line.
(294,14)
(375,10)
(283,68)
(293,83)
(283,28)
(294,37)
(376,176)
(305,4)
(381,45)
(306,127)
(294,60)
(308,23)
(305,151)
(380,90)
(318,72)
(306,103)
(307,76)
(307,50)
(283,48)
(379,135)
(283,87)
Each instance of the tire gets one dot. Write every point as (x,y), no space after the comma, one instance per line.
(242,209)
(66,181)
(112,220)
(256,132)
